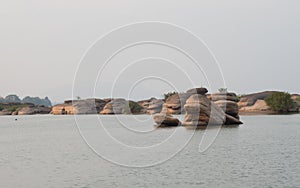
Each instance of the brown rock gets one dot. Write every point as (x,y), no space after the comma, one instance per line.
(229,107)
(29,110)
(155,106)
(200,111)
(116,106)
(201,91)
(176,102)
(223,96)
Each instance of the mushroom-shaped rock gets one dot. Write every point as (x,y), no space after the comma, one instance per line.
(165,120)
(201,91)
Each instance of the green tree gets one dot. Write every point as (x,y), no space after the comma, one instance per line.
(169,94)
(223,90)
(280,101)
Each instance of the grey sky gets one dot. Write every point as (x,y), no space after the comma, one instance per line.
(256,42)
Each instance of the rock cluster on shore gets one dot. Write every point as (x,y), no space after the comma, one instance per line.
(200,109)
(223,104)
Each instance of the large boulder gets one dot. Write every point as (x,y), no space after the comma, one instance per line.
(176,102)
(223,96)
(201,91)
(63,109)
(229,107)
(29,110)
(200,111)
(116,106)
(88,106)
(165,120)
(84,106)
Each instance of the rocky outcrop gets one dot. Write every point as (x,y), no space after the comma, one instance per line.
(63,109)
(259,106)
(200,111)
(227,102)
(201,91)
(165,120)
(29,110)
(249,100)
(5,112)
(116,106)
(155,106)
(86,106)
(176,102)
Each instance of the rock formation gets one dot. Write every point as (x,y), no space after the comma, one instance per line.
(29,110)
(116,106)
(176,102)
(86,106)
(155,106)
(249,100)
(200,111)
(227,102)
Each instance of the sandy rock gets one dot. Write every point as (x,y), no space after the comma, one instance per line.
(116,106)
(29,110)
(249,100)
(200,111)
(229,107)
(62,109)
(260,105)
(5,112)
(223,96)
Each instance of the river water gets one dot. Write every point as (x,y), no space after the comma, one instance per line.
(54,151)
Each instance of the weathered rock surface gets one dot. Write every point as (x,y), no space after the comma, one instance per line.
(62,109)
(5,112)
(29,110)
(259,106)
(249,100)
(155,106)
(223,96)
(201,91)
(229,107)
(200,111)
(116,106)
(86,106)
(165,120)
(176,102)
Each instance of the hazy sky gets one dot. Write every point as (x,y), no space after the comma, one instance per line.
(41,41)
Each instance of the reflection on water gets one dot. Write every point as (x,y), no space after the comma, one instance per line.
(47,151)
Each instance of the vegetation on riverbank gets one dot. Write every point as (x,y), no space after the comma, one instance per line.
(280,102)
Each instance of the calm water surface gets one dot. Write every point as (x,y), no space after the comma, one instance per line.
(48,151)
